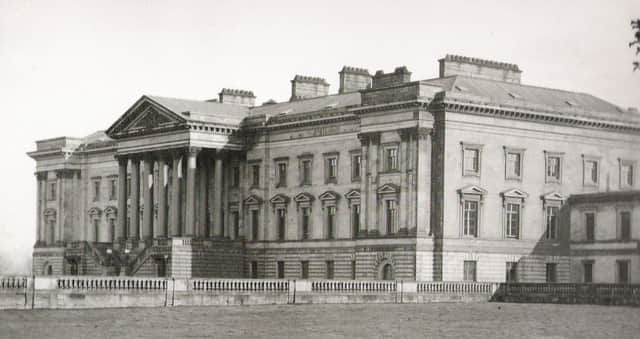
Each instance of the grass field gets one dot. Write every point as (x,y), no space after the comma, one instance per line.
(478,320)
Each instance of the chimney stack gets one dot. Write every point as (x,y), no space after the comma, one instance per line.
(353,79)
(399,76)
(479,68)
(237,97)
(305,87)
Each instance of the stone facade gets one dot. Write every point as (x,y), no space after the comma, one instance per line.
(461,177)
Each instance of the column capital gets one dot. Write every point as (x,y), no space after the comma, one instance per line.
(406,133)
(122,158)
(66,173)
(193,150)
(41,175)
(424,132)
(369,137)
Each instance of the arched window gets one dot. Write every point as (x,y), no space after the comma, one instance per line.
(94,219)
(387,272)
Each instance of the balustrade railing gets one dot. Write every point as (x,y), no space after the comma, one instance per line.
(240,285)
(16,282)
(356,286)
(110,283)
(456,287)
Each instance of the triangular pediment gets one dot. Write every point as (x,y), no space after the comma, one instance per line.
(253,200)
(515,193)
(329,195)
(388,188)
(553,196)
(110,210)
(303,197)
(95,211)
(472,189)
(279,199)
(144,116)
(353,194)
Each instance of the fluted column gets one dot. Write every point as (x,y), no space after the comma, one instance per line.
(134,230)
(190,210)
(175,194)
(423,188)
(202,197)
(147,187)
(40,179)
(404,165)
(372,218)
(364,179)
(161,226)
(217,196)
(122,198)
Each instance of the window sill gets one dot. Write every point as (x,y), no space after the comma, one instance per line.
(471,174)
(281,186)
(331,181)
(512,178)
(254,187)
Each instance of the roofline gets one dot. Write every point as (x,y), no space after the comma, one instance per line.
(604,197)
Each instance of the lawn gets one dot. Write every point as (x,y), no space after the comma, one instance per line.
(437,320)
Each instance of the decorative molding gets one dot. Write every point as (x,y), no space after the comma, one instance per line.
(388,188)
(329,195)
(353,194)
(304,197)
(253,200)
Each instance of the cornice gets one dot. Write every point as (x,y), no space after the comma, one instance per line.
(442,104)
(390,106)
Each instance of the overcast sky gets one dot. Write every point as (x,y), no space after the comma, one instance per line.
(73,67)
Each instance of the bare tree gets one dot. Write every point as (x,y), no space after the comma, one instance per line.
(635,25)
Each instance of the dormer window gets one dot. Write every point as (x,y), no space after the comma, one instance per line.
(515,95)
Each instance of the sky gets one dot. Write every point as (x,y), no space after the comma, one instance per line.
(69,68)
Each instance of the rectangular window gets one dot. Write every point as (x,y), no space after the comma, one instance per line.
(512,272)
(112,229)
(391,159)
(355,219)
(280,268)
(306,219)
(254,270)
(513,165)
(235,176)
(587,268)
(471,161)
(282,219)
(332,169)
(513,220)
(306,172)
(113,189)
(469,270)
(353,270)
(282,174)
(551,231)
(304,268)
(392,213)
(96,190)
(625,225)
(329,269)
(590,223)
(331,222)
(52,191)
(470,218)
(626,174)
(590,172)
(622,268)
(553,168)
(255,176)
(356,163)
(254,224)
(551,272)
(128,187)
(235,221)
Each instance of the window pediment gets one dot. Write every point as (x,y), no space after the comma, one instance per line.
(553,196)
(111,210)
(95,212)
(515,193)
(279,199)
(304,197)
(388,188)
(253,200)
(50,212)
(472,190)
(353,194)
(329,195)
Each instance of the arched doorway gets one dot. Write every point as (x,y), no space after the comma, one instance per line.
(387,272)
(47,269)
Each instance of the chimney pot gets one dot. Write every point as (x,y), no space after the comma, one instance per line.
(353,79)
(305,87)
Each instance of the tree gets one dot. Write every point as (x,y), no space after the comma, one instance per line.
(635,25)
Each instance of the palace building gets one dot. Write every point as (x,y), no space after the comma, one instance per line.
(468,176)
